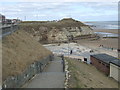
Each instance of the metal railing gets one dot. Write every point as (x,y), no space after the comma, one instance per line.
(8,29)
(33,69)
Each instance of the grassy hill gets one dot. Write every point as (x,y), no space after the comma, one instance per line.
(43,31)
(66,22)
(18,51)
(87,76)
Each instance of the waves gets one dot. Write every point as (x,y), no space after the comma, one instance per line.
(104,24)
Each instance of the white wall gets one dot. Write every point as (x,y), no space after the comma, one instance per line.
(115,72)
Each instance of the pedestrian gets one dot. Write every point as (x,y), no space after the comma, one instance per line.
(71,52)
(62,57)
(112,48)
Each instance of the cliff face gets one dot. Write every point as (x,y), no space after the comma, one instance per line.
(57,31)
(56,35)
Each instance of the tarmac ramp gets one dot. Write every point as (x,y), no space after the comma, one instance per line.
(52,77)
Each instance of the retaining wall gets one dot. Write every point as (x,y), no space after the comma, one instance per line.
(33,69)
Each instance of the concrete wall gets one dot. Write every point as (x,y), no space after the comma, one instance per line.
(33,69)
(115,72)
(104,67)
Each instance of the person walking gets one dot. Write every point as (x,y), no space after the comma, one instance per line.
(71,51)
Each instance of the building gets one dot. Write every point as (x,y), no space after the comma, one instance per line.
(102,62)
(8,21)
(2,19)
(15,21)
(115,70)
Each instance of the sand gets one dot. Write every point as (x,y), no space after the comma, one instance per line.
(106,42)
(107,30)
(19,50)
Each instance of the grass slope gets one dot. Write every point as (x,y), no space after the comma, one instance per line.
(18,51)
(87,76)
(67,22)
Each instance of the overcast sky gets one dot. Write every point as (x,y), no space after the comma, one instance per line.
(83,11)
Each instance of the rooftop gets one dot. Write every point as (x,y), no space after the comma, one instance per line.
(105,58)
(116,62)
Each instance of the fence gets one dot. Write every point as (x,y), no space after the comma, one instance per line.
(33,69)
(9,29)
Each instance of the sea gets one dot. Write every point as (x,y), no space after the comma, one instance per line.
(104,25)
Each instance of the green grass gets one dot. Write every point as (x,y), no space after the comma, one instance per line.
(49,24)
(74,81)
(86,76)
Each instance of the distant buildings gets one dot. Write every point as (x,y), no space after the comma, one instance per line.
(107,64)
(3,20)
(8,21)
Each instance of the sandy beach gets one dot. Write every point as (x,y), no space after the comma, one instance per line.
(106,42)
(115,31)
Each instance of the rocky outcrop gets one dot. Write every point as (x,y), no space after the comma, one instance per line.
(86,30)
(56,35)
(59,31)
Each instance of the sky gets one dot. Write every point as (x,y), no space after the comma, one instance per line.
(42,11)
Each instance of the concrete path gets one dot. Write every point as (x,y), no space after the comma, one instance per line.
(51,77)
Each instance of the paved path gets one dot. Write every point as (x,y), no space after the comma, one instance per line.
(51,77)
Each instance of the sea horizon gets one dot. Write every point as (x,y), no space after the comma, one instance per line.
(104,24)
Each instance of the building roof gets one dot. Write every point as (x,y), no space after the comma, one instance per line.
(116,62)
(105,58)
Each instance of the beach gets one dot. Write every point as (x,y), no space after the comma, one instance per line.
(106,42)
(108,45)
(115,31)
